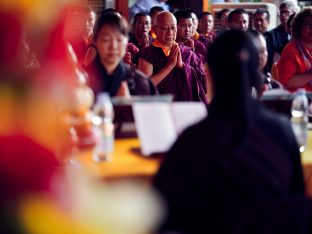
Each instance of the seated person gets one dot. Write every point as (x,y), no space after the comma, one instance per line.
(108,72)
(295,64)
(239,155)
(222,16)
(173,68)
(206,25)
(82,40)
(267,80)
(152,13)
(278,37)
(184,34)
(238,19)
(141,29)
(261,20)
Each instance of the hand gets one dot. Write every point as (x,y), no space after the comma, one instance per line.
(173,56)
(179,59)
(127,58)
(189,43)
(144,41)
(123,90)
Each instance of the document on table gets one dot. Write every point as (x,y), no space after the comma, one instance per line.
(159,124)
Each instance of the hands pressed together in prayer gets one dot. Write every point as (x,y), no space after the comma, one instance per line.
(144,42)
(175,59)
(123,90)
(189,43)
(128,58)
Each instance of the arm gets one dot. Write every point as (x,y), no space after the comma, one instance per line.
(147,68)
(298,81)
(90,55)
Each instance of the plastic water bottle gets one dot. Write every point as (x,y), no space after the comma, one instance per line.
(299,119)
(103,120)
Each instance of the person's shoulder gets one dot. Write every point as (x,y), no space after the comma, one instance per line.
(275,30)
(135,72)
(194,134)
(291,48)
(277,121)
(199,44)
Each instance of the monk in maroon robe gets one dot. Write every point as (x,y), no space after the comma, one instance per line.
(184,34)
(173,68)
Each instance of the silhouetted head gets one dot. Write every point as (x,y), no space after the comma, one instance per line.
(234,66)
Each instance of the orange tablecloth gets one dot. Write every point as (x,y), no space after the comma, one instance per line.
(127,161)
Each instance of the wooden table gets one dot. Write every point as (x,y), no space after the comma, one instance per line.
(127,161)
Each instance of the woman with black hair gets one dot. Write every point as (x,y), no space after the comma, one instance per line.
(108,72)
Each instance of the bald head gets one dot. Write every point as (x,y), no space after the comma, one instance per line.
(164,17)
(165,27)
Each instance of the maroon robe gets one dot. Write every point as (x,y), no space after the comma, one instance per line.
(200,50)
(186,84)
(205,40)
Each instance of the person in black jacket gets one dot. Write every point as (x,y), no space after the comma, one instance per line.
(278,37)
(241,154)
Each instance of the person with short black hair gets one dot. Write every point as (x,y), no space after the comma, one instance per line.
(206,25)
(261,20)
(140,31)
(81,42)
(238,19)
(184,34)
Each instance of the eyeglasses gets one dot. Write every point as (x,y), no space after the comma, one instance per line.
(166,29)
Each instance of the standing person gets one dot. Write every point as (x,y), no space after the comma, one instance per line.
(261,20)
(146,5)
(220,166)
(173,68)
(238,19)
(108,72)
(81,42)
(278,37)
(295,65)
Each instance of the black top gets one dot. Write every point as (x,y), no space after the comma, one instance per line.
(210,173)
(100,81)
(276,40)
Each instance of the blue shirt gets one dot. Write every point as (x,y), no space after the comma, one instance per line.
(145,6)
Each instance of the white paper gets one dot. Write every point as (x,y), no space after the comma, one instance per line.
(159,124)
(154,126)
(186,114)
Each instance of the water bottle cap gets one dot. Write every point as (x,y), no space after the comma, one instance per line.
(102,96)
(301,91)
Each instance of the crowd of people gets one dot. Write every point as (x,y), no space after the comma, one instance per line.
(219,170)
(171,48)
(233,159)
